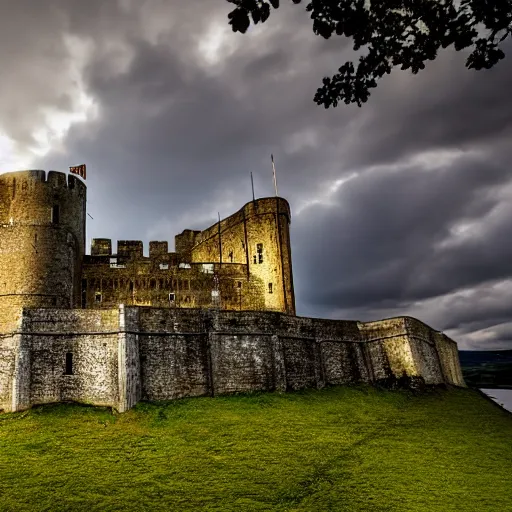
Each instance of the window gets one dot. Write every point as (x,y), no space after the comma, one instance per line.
(231,256)
(97,297)
(172,297)
(259,249)
(131,286)
(164,266)
(69,363)
(55,214)
(255,260)
(84,293)
(239,284)
(270,288)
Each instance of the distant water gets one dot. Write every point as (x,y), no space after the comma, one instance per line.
(502,397)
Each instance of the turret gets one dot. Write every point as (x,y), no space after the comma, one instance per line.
(258,236)
(42,242)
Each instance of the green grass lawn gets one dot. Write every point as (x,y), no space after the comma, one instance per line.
(339,449)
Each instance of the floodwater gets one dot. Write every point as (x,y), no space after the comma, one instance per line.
(500,396)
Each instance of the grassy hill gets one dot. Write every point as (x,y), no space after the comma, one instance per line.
(340,449)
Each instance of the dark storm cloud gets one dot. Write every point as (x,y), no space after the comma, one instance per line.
(178,129)
(385,226)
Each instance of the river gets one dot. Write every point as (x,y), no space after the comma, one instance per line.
(500,396)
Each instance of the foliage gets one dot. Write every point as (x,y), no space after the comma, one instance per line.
(403,33)
(344,449)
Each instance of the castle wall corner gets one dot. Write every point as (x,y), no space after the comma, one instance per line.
(129,378)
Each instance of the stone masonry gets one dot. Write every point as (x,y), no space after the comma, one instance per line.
(216,316)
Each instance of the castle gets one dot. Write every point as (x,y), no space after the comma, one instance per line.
(216,316)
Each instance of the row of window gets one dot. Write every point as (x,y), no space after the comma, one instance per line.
(152,284)
(257,258)
(170,284)
(98,296)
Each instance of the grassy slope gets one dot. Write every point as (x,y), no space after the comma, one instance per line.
(353,449)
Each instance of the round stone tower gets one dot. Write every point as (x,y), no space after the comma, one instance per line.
(42,242)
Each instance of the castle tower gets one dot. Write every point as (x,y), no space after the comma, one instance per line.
(42,242)
(269,252)
(258,236)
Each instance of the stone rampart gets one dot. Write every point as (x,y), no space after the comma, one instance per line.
(119,356)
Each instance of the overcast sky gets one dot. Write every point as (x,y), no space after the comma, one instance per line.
(403,206)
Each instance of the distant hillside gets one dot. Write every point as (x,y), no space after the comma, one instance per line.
(487,368)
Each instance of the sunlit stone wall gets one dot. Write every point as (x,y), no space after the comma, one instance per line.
(120,356)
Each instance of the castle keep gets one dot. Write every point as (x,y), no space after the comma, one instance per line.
(216,316)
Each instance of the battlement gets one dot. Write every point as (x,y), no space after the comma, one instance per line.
(34,177)
(128,248)
(101,247)
(158,249)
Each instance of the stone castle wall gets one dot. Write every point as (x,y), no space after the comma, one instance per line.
(127,354)
(219,266)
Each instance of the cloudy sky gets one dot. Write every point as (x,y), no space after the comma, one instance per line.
(403,206)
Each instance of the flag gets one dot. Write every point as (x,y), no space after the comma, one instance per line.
(78,169)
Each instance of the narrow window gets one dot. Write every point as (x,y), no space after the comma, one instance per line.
(259,248)
(239,284)
(255,260)
(172,297)
(231,256)
(269,287)
(55,214)
(84,293)
(97,297)
(69,363)
(131,286)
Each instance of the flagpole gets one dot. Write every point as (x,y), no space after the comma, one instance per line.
(252,185)
(274,173)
